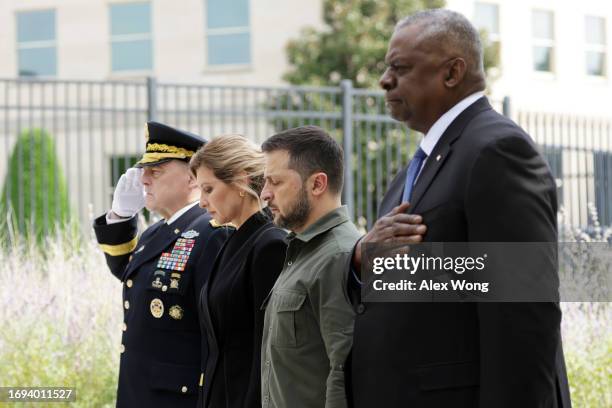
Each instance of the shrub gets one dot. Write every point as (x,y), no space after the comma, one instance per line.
(34,197)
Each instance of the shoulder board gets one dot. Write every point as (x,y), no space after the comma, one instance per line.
(215,224)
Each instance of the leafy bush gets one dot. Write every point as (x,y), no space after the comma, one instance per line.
(34,197)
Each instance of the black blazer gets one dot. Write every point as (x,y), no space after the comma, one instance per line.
(243,275)
(161,342)
(483,182)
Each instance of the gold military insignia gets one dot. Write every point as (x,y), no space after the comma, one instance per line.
(174,283)
(156,283)
(157,308)
(176,312)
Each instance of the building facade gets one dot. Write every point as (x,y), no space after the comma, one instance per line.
(186,41)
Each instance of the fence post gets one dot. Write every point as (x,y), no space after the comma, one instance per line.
(151,98)
(347,145)
(506,108)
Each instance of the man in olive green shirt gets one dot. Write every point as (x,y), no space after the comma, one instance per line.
(308,326)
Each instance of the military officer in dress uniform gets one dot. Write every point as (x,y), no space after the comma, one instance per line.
(162,272)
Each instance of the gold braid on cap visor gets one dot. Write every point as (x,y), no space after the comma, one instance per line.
(158,151)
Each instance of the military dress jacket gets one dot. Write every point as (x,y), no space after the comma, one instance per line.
(163,271)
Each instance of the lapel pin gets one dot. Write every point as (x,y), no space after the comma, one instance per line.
(176,231)
(190,234)
(439,157)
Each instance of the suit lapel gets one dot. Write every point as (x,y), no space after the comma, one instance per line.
(393,197)
(431,168)
(443,149)
(163,237)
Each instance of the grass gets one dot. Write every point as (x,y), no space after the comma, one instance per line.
(61,321)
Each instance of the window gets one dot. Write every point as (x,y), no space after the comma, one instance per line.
(228,35)
(131,41)
(543,40)
(595,45)
(603,186)
(486,17)
(36,49)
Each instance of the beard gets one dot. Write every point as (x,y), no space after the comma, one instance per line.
(297,215)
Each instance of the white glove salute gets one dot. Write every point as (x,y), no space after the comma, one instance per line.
(129,195)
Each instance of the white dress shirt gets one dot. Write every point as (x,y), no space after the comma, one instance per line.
(174,217)
(431,139)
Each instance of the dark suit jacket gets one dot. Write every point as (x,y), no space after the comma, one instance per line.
(489,185)
(243,275)
(161,358)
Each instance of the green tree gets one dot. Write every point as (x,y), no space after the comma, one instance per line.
(34,197)
(352,45)
(353,42)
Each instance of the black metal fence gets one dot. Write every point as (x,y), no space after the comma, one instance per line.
(65,143)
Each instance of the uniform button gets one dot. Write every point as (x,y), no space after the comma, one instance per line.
(129,283)
(124,327)
(267,362)
(360,308)
(164,288)
(184,389)
(126,304)
(122,348)
(289,263)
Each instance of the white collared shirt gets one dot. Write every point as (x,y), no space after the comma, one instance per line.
(431,139)
(174,217)
(180,212)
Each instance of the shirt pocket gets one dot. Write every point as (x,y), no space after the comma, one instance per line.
(286,305)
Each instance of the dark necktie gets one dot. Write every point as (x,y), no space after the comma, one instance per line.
(412,173)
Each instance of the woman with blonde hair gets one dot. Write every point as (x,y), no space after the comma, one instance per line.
(229,172)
